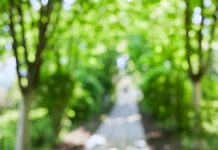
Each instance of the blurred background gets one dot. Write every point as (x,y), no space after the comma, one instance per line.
(61,60)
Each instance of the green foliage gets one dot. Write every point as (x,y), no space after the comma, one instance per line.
(140,52)
(54,93)
(42,132)
(210,104)
(210,87)
(61,84)
(79,62)
(94,85)
(39,135)
(87,95)
(166,96)
(7,138)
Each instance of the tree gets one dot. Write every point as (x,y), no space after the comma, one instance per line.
(29,21)
(200,28)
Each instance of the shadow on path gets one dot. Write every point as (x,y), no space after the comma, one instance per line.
(158,137)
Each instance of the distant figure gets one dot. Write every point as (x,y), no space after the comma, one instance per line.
(126,88)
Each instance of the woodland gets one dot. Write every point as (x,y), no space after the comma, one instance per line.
(66,56)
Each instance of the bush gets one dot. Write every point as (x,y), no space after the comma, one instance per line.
(54,94)
(166,96)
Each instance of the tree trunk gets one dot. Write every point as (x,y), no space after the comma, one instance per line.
(23,137)
(196,100)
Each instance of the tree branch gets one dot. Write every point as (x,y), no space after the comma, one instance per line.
(200,38)
(187,38)
(42,27)
(20,11)
(15,43)
(45,14)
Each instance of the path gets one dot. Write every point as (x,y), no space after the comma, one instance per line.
(122,129)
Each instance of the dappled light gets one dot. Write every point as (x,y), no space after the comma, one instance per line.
(108,74)
(123,120)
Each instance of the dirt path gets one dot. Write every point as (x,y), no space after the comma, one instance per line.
(122,129)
